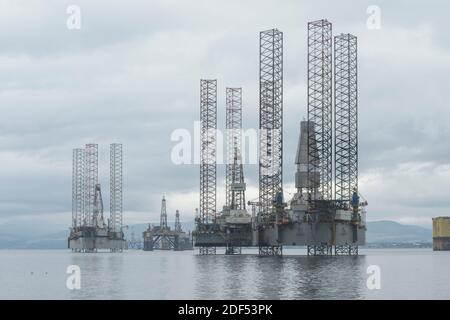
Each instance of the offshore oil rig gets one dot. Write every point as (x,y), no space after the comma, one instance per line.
(325,214)
(162,237)
(90,231)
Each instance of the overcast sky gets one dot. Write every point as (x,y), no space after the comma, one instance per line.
(131,75)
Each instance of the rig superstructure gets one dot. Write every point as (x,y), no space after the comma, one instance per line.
(325,214)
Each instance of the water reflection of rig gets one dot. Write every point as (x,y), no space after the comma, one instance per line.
(325,214)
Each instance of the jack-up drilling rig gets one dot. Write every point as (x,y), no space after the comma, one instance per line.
(316,216)
(89,232)
(232,227)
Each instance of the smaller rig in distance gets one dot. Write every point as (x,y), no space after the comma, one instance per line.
(162,237)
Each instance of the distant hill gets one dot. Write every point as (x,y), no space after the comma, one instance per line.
(34,241)
(389,232)
(382,232)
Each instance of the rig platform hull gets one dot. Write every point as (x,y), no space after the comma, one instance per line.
(90,239)
(166,239)
(295,234)
(441,234)
(441,244)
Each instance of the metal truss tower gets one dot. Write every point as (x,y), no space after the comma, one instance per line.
(77,187)
(235,188)
(270,120)
(116,181)
(163,221)
(90,181)
(208,141)
(346,116)
(237,184)
(177,226)
(320,143)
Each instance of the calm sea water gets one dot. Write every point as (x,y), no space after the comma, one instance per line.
(404,274)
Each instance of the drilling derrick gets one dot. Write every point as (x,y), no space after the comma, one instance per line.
(305,180)
(177,226)
(98,218)
(235,186)
(163,217)
(78,188)
(346,116)
(182,240)
(270,122)
(116,187)
(320,110)
(165,242)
